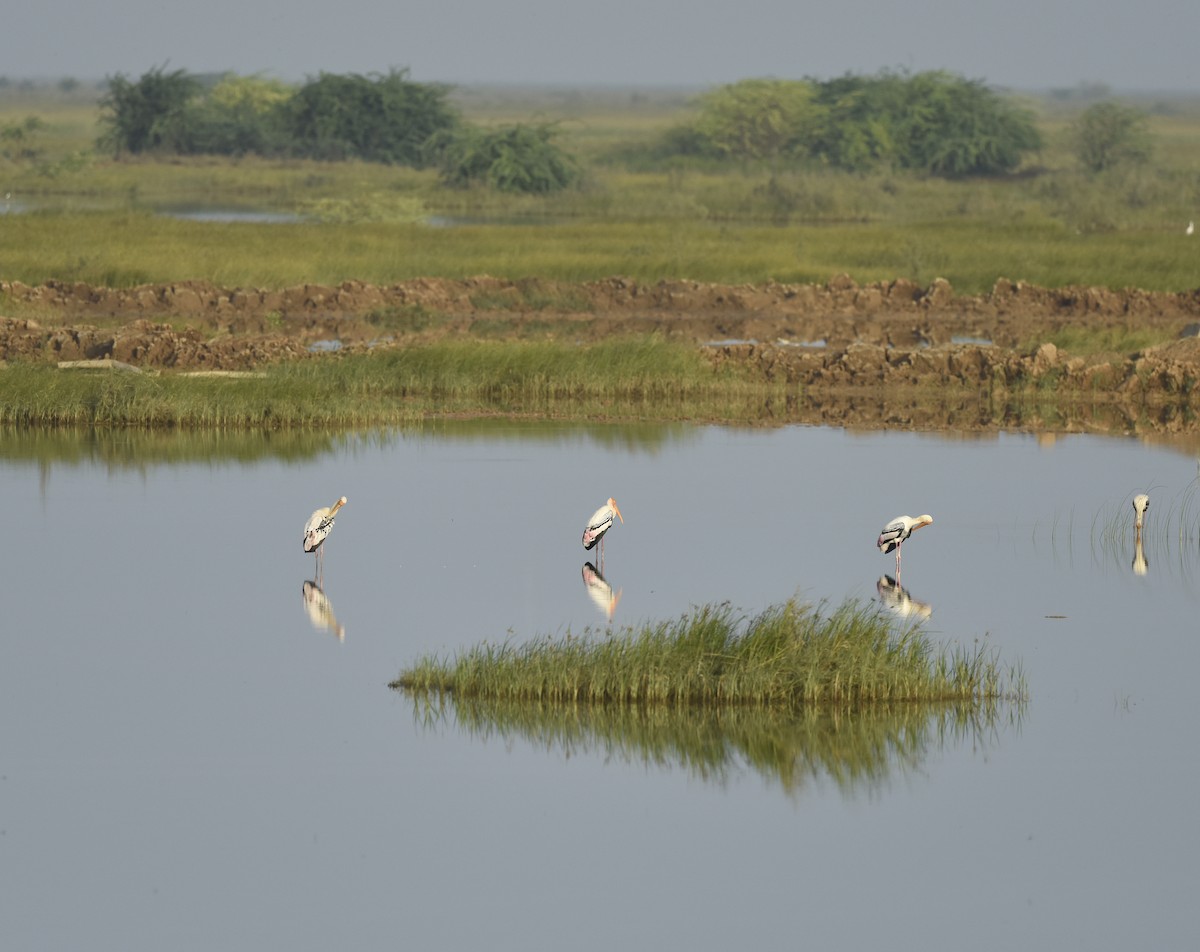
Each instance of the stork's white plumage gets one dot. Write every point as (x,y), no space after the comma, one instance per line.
(598,526)
(1191,228)
(895,532)
(318,527)
(1141,502)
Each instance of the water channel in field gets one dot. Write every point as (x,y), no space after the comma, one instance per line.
(199,748)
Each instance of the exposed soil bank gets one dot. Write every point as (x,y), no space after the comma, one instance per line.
(838,336)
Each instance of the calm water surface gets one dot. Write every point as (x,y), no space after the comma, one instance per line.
(188,760)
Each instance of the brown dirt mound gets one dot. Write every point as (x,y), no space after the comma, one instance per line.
(840,334)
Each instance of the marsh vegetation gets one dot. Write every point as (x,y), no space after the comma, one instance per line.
(629,379)
(789,656)
(1051,221)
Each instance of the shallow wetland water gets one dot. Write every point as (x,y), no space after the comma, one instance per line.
(198,747)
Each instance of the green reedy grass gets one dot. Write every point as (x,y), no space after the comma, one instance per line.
(790,656)
(860,751)
(1171,531)
(630,379)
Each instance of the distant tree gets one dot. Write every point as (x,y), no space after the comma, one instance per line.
(236,116)
(145,115)
(856,131)
(518,158)
(759,118)
(378,118)
(1109,134)
(956,127)
(931,122)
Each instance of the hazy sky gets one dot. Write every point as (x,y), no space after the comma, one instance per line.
(1142,45)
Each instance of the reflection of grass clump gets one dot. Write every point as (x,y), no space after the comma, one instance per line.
(406,318)
(533,296)
(788,656)
(858,750)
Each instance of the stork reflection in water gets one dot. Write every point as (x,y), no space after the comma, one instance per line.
(599,591)
(320,611)
(897,600)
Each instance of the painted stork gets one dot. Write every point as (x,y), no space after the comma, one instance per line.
(1191,228)
(1141,502)
(598,526)
(318,527)
(895,532)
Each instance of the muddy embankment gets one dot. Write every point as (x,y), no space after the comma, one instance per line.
(839,337)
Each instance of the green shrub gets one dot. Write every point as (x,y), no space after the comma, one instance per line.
(517,158)
(1109,134)
(930,122)
(146,115)
(375,118)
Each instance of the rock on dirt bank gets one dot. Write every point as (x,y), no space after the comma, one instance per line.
(837,334)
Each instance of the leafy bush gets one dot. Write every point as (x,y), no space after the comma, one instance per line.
(240,115)
(955,127)
(146,115)
(758,119)
(373,118)
(518,158)
(930,122)
(376,119)
(1109,134)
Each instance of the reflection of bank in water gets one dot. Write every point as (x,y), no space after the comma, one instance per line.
(320,611)
(599,591)
(860,751)
(897,600)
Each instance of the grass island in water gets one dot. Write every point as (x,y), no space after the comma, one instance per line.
(790,655)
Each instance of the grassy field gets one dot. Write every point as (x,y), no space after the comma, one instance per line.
(89,218)
(790,656)
(122,249)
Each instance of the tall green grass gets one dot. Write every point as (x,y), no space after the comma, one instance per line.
(788,657)
(629,379)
